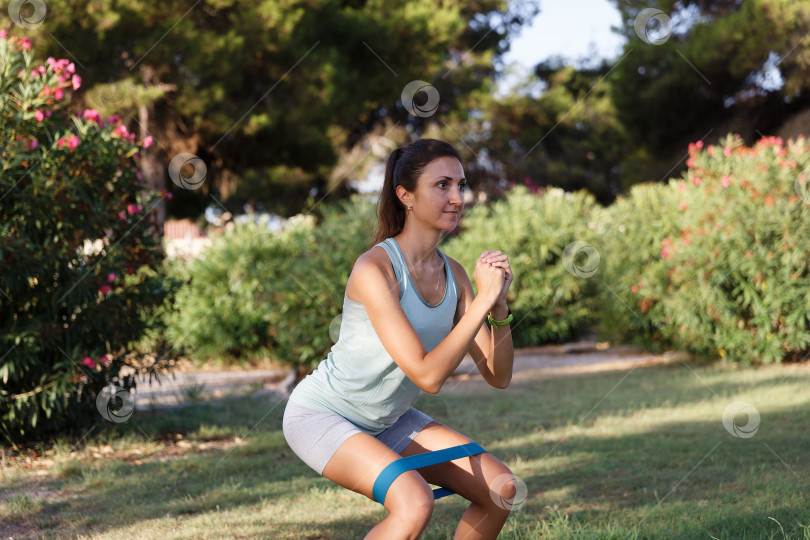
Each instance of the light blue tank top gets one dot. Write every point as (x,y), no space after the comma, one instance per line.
(358,379)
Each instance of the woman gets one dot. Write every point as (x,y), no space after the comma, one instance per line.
(409,318)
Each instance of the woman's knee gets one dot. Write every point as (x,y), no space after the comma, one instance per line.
(503,489)
(410,499)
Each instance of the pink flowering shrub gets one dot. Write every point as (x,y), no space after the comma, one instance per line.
(81,284)
(716,261)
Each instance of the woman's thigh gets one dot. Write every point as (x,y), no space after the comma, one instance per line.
(360,460)
(482,479)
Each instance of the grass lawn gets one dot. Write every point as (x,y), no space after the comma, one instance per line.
(626,454)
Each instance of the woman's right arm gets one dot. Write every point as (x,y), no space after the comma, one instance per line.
(426,370)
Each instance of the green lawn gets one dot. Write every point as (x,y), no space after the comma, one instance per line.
(628,454)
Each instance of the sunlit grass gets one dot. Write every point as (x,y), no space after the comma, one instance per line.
(630,454)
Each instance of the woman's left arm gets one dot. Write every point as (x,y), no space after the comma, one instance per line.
(492,351)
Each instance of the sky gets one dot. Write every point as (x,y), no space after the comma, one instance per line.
(567,28)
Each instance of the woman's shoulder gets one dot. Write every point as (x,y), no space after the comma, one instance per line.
(457,267)
(369,264)
(375,256)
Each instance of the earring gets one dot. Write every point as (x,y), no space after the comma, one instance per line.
(410,208)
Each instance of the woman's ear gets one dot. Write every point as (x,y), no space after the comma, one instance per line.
(404,196)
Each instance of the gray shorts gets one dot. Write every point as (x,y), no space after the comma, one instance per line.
(315,436)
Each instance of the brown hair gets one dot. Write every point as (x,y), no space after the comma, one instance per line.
(404,166)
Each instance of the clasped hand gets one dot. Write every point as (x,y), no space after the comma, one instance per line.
(493,276)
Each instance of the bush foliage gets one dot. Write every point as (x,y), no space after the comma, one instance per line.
(716,262)
(80,278)
(550,304)
(713,262)
(255,294)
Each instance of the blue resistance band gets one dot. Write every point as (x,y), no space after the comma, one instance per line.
(395,468)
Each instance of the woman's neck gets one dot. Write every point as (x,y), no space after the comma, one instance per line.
(420,248)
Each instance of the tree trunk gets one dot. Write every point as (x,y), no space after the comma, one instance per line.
(154,174)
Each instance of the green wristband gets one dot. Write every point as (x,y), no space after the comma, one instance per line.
(506,321)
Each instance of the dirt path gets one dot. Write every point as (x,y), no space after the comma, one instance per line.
(536,362)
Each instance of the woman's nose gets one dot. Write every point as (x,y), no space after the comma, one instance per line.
(457,196)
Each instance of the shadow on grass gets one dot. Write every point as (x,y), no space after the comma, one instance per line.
(643,451)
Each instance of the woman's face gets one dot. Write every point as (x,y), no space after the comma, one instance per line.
(439,197)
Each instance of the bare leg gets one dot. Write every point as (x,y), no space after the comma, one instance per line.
(483,480)
(409,500)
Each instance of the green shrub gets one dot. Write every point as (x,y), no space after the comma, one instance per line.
(631,232)
(256,294)
(550,304)
(724,270)
(79,270)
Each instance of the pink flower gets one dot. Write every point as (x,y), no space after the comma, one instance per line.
(139,208)
(104,359)
(60,142)
(51,60)
(681,186)
(147,142)
(634,288)
(640,283)
(114,119)
(32,144)
(665,244)
(57,94)
(121,130)
(169,196)
(89,362)
(25,43)
(727,151)
(699,144)
(696,180)
(725,181)
(104,289)
(47,114)
(73,142)
(41,70)
(122,215)
(111,277)
(39,115)
(92,115)
(3,34)
(76,80)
